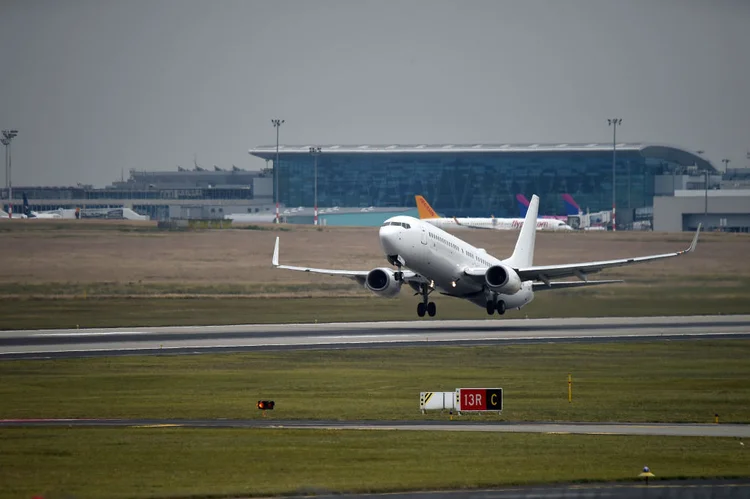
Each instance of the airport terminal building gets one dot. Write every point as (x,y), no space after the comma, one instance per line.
(479,179)
(661,187)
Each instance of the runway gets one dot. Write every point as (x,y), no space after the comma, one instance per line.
(56,343)
(644,429)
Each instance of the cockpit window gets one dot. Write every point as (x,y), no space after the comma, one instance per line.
(399,224)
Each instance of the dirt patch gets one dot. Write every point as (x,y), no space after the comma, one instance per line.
(100,253)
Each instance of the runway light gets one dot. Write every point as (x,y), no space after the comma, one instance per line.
(265,405)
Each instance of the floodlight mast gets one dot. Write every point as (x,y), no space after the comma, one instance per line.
(277,125)
(614,122)
(8,136)
(315,151)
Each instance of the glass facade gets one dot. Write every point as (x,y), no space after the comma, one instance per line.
(466,183)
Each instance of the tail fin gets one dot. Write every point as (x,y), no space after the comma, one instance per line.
(424,208)
(523,204)
(26,209)
(523,254)
(571,207)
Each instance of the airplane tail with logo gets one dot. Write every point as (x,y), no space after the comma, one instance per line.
(571,207)
(425,210)
(26,209)
(523,254)
(523,204)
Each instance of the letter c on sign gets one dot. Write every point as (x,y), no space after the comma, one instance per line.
(493,399)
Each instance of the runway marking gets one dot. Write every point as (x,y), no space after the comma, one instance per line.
(165,425)
(90,333)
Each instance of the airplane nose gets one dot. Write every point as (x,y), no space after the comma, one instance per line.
(388,238)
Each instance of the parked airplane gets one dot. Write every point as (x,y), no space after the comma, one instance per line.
(571,207)
(29,213)
(427,214)
(429,259)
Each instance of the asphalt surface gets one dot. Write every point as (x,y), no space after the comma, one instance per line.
(665,429)
(683,489)
(55,343)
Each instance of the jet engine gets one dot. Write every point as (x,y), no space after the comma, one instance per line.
(383,282)
(503,280)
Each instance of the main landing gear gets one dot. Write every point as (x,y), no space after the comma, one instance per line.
(426,305)
(493,306)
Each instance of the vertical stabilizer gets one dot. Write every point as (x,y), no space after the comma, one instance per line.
(523,255)
(26,208)
(523,204)
(425,210)
(571,207)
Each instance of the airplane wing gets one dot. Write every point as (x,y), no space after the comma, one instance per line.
(357,275)
(547,272)
(540,286)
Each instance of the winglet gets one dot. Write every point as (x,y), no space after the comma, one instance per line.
(695,240)
(425,210)
(275,260)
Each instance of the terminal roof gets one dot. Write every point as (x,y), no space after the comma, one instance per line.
(668,153)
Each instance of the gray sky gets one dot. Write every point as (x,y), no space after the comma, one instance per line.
(100,86)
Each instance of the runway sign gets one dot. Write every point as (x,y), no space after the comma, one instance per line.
(479,399)
(436,401)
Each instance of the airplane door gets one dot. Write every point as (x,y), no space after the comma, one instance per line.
(424,235)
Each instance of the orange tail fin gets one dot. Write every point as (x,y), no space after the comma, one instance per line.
(424,208)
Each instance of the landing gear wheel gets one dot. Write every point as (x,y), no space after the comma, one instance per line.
(431,309)
(420,309)
(500,307)
(490,307)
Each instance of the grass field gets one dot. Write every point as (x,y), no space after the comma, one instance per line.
(686,381)
(678,381)
(103,273)
(184,463)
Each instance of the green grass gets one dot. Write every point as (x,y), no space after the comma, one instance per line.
(82,312)
(182,463)
(669,381)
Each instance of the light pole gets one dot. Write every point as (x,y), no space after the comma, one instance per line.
(726,164)
(614,122)
(5,142)
(8,136)
(277,125)
(705,193)
(315,151)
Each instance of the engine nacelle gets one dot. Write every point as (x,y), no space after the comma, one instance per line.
(503,280)
(383,282)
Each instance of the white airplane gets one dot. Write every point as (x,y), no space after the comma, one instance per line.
(29,213)
(429,259)
(427,214)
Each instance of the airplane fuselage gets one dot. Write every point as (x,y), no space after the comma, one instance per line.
(442,258)
(495,223)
